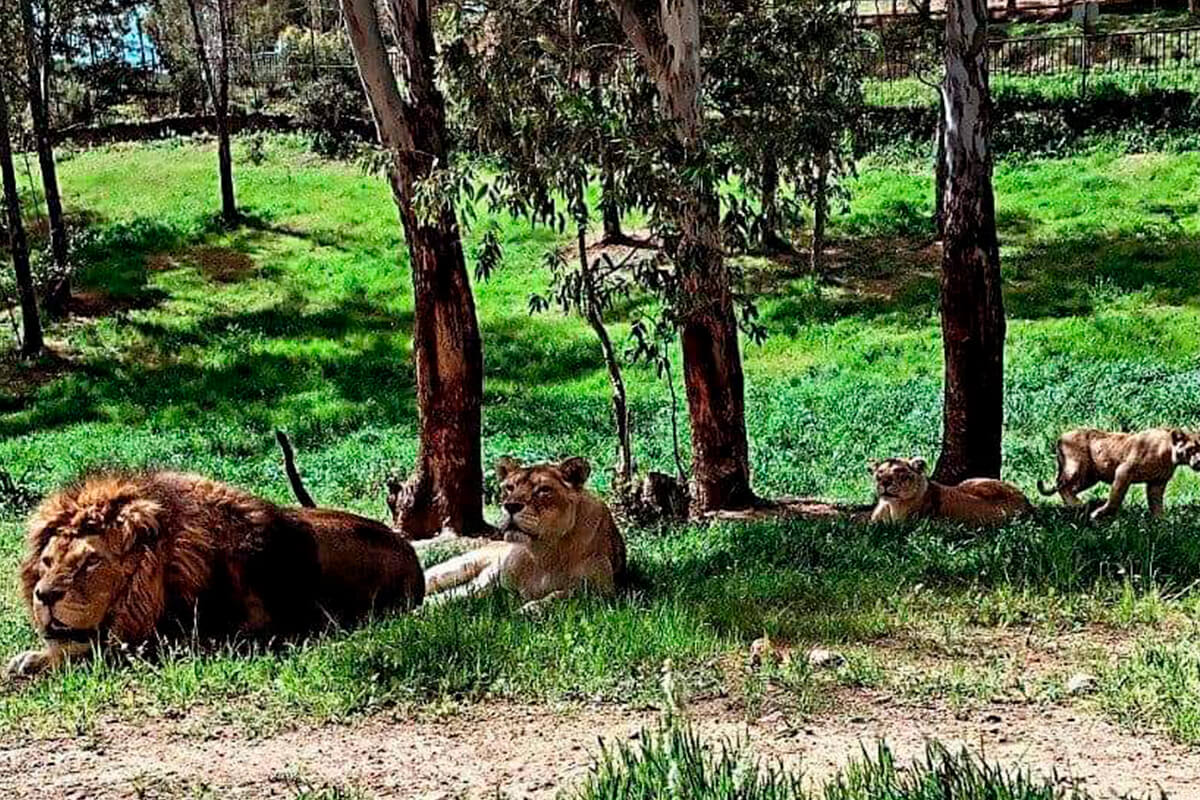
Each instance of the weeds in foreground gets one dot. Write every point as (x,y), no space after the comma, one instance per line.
(672,762)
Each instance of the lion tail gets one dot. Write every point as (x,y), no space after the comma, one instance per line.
(1050,492)
(289,466)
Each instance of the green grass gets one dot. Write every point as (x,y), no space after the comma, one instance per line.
(300,320)
(1157,686)
(674,762)
(1065,85)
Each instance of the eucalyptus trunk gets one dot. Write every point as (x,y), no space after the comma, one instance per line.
(31,324)
(820,212)
(939,169)
(218,90)
(772,241)
(446,489)
(668,42)
(58,290)
(972,305)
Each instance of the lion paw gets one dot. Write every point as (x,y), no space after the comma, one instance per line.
(534,608)
(28,664)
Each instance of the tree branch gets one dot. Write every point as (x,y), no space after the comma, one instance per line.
(391,112)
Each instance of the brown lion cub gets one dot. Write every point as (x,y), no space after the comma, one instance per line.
(905,492)
(558,537)
(1088,456)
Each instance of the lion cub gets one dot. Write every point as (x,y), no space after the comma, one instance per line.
(1087,456)
(558,537)
(905,492)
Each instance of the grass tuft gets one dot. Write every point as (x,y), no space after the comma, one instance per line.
(672,762)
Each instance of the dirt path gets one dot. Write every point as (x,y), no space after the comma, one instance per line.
(530,752)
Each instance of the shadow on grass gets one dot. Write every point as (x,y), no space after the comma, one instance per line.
(869,278)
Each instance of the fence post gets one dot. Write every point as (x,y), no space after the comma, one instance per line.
(1085,58)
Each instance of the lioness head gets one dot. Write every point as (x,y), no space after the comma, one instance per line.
(85,552)
(540,500)
(900,478)
(1185,448)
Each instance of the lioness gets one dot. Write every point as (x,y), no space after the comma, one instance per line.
(558,537)
(1088,456)
(122,557)
(905,492)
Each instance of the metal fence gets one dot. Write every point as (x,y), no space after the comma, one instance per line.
(1168,57)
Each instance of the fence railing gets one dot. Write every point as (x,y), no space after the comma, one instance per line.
(1167,53)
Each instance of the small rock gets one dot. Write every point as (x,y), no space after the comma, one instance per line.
(1082,683)
(993,718)
(821,658)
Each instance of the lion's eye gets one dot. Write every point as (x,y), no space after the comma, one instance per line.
(543,490)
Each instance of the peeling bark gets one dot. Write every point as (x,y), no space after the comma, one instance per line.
(972,305)
(446,489)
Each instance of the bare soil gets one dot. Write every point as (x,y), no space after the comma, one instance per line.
(532,752)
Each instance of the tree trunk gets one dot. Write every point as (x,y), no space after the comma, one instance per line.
(610,212)
(446,490)
(771,240)
(619,398)
(939,170)
(31,324)
(218,90)
(973,325)
(229,209)
(58,290)
(712,362)
(820,213)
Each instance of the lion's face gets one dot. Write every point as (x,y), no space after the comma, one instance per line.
(540,501)
(900,478)
(1185,448)
(77,579)
(82,555)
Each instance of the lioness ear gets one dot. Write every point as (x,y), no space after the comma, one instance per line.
(575,471)
(918,464)
(506,466)
(1178,437)
(139,521)
(872,465)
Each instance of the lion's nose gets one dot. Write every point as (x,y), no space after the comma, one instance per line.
(514,508)
(48,597)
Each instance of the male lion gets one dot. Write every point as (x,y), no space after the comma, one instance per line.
(558,537)
(121,557)
(1088,456)
(905,492)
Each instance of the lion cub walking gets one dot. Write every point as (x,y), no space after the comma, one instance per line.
(1088,456)
(558,536)
(905,492)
